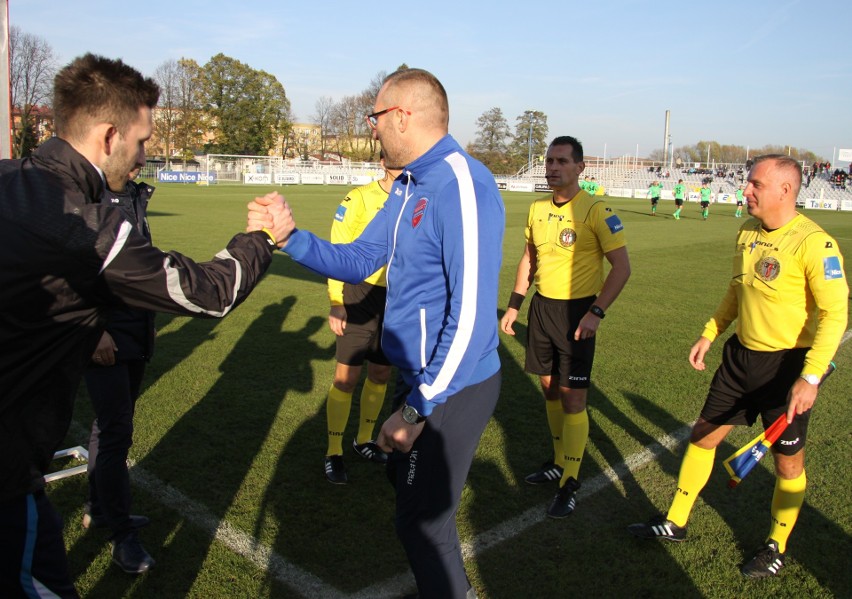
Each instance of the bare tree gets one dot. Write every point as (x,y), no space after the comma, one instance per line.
(33,66)
(322,117)
(190,128)
(167,116)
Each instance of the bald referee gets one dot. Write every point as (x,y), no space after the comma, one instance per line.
(788,295)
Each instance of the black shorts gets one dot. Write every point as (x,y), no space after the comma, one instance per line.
(705,204)
(551,349)
(750,383)
(739,203)
(678,201)
(654,201)
(362,337)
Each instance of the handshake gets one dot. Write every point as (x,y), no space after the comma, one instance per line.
(272,214)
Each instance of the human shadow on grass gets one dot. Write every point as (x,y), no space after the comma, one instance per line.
(521,414)
(341,534)
(746,510)
(209,451)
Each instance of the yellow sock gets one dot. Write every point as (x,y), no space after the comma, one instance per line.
(337,413)
(555,417)
(372,398)
(575,433)
(786,504)
(694,473)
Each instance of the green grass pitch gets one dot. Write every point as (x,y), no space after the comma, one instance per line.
(232,423)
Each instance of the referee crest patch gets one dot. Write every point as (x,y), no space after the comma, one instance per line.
(831,268)
(341,212)
(567,237)
(768,268)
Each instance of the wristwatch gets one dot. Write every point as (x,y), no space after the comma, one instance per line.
(811,378)
(597,311)
(411,415)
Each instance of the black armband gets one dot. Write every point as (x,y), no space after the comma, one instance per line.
(516,300)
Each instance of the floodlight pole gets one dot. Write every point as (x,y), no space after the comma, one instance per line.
(529,144)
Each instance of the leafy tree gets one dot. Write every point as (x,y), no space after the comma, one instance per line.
(490,145)
(530,138)
(246,106)
(191,127)
(32,69)
(25,140)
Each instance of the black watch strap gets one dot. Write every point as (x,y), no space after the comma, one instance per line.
(597,311)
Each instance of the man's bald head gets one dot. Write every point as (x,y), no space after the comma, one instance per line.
(421,93)
(785,168)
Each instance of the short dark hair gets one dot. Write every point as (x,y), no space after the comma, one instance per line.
(423,79)
(93,89)
(576,146)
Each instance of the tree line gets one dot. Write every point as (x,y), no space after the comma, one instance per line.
(227,107)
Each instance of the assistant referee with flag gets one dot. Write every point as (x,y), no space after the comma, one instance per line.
(788,295)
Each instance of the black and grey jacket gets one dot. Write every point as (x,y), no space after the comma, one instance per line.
(65,261)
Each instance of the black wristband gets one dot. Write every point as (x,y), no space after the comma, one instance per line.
(597,311)
(516,300)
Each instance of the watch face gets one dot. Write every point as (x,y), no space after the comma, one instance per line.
(409,414)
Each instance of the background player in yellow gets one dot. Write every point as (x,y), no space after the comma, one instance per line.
(568,235)
(788,295)
(356,316)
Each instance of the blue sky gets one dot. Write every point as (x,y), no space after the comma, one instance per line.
(751,73)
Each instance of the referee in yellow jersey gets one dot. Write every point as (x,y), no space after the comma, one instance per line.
(788,295)
(567,237)
(356,316)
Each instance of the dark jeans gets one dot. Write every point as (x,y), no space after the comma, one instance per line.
(114,390)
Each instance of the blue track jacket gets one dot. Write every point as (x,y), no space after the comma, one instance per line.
(441,235)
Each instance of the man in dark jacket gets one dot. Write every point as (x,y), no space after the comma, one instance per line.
(114,381)
(65,260)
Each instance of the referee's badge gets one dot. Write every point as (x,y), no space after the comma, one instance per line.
(768,268)
(567,237)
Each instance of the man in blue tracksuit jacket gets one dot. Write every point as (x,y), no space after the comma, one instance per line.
(441,235)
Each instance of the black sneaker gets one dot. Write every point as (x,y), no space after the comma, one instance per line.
(566,499)
(370,451)
(549,472)
(658,528)
(129,555)
(335,471)
(765,563)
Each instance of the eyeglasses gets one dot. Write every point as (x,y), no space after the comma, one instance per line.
(373,119)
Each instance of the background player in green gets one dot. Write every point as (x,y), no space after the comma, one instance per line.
(355,317)
(654,191)
(739,202)
(788,295)
(678,192)
(592,187)
(705,199)
(584,184)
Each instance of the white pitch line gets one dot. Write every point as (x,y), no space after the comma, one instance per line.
(260,554)
(308,585)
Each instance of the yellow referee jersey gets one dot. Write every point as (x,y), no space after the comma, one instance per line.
(353,215)
(570,241)
(788,290)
